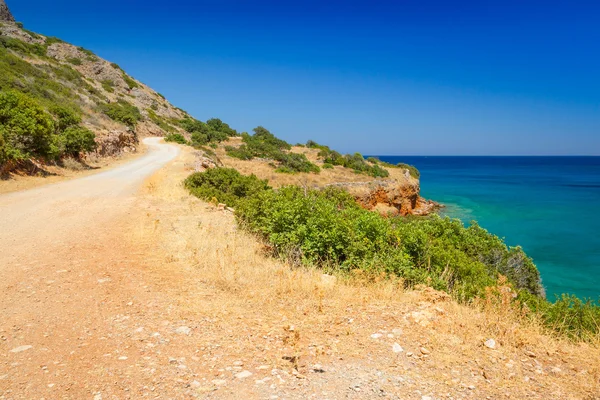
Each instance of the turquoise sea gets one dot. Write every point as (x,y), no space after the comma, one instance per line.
(548,205)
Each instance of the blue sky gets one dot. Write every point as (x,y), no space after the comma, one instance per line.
(404,77)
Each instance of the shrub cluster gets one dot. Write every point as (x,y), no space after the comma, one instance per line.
(162,124)
(27,130)
(123,112)
(176,138)
(263,144)
(354,161)
(213,131)
(225,185)
(328,229)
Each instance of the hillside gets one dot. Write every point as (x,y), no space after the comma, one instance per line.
(72,84)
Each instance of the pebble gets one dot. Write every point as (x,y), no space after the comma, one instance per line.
(490,344)
(21,349)
(184,330)
(98,396)
(219,382)
(243,375)
(376,336)
(530,353)
(396,348)
(238,363)
(425,351)
(426,398)
(123,358)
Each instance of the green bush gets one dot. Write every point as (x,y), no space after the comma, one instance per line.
(176,138)
(123,112)
(129,81)
(65,117)
(226,185)
(413,171)
(22,47)
(327,166)
(264,144)
(108,85)
(213,131)
(162,124)
(74,61)
(356,161)
(26,128)
(73,141)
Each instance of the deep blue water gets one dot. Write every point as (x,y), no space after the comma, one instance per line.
(548,205)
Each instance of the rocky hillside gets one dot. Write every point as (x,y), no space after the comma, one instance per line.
(117,108)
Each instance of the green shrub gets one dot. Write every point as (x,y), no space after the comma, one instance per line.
(26,128)
(108,85)
(162,124)
(65,117)
(73,141)
(264,144)
(226,185)
(22,47)
(413,171)
(213,131)
(176,138)
(74,61)
(129,81)
(356,161)
(50,40)
(116,66)
(327,166)
(123,112)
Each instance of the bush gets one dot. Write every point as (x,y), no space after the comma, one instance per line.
(226,185)
(129,81)
(327,166)
(356,161)
(162,124)
(22,47)
(123,112)
(65,117)
(108,85)
(74,141)
(176,138)
(213,131)
(26,128)
(264,144)
(413,171)
(74,61)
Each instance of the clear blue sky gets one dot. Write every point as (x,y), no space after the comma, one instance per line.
(412,77)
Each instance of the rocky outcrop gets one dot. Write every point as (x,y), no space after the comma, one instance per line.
(116,142)
(5,14)
(390,197)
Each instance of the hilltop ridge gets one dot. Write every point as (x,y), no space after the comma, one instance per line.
(5,14)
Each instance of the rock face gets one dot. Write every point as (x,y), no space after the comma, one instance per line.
(5,14)
(390,197)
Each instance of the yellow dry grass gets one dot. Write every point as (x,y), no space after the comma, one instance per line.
(270,310)
(263,170)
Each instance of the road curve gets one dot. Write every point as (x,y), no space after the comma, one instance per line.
(53,211)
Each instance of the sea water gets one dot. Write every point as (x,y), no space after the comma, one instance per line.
(548,205)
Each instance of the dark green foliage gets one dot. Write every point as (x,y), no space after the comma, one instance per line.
(108,85)
(19,25)
(161,96)
(226,185)
(123,112)
(264,144)
(413,171)
(74,61)
(75,140)
(65,117)
(162,124)
(129,81)
(176,138)
(26,128)
(21,47)
(355,161)
(116,66)
(213,131)
(50,40)
(573,317)
(327,166)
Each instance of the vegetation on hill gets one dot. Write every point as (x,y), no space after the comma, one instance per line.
(28,130)
(328,229)
(263,144)
(212,131)
(355,161)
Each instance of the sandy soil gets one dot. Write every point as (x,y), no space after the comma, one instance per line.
(121,286)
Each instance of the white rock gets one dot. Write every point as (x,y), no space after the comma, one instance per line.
(219,382)
(184,330)
(396,348)
(376,336)
(243,375)
(426,398)
(123,358)
(490,344)
(21,349)
(238,363)
(98,396)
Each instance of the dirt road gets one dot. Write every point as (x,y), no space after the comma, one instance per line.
(115,286)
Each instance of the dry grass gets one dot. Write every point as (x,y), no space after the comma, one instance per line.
(263,170)
(272,312)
